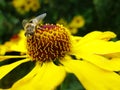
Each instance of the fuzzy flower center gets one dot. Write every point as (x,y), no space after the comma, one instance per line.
(49,42)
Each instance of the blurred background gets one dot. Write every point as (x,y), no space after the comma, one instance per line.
(79,16)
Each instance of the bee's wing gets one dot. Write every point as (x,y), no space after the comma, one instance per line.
(39,18)
(35,20)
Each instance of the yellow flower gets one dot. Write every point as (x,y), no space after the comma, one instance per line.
(73,30)
(21,6)
(77,22)
(62,21)
(35,5)
(73,26)
(96,59)
(24,6)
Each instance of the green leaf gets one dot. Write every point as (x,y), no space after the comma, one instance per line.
(71,83)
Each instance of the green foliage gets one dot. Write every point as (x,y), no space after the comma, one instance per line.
(108,14)
(70,83)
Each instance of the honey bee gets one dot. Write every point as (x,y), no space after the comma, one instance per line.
(29,25)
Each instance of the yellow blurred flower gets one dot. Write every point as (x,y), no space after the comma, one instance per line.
(73,30)
(77,22)
(34,5)
(62,21)
(24,6)
(50,43)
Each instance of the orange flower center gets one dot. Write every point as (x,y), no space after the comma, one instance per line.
(48,42)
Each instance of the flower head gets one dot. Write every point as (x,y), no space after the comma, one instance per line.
(48,42)
(95,58)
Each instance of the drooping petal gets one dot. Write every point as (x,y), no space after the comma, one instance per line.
(97,35)
(103,62)
(26,79)
(48,78)
(92,77)
(7,68)
(100,47)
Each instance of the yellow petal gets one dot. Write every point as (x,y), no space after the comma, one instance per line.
(26,79)
(4,89)
(103,62)
(93,78)
(48,78)
(7,68)
(52,76)
(76,38)
(97,35)
(17,44)
(112,55)
(100,47)
(8,57)
(2,49)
